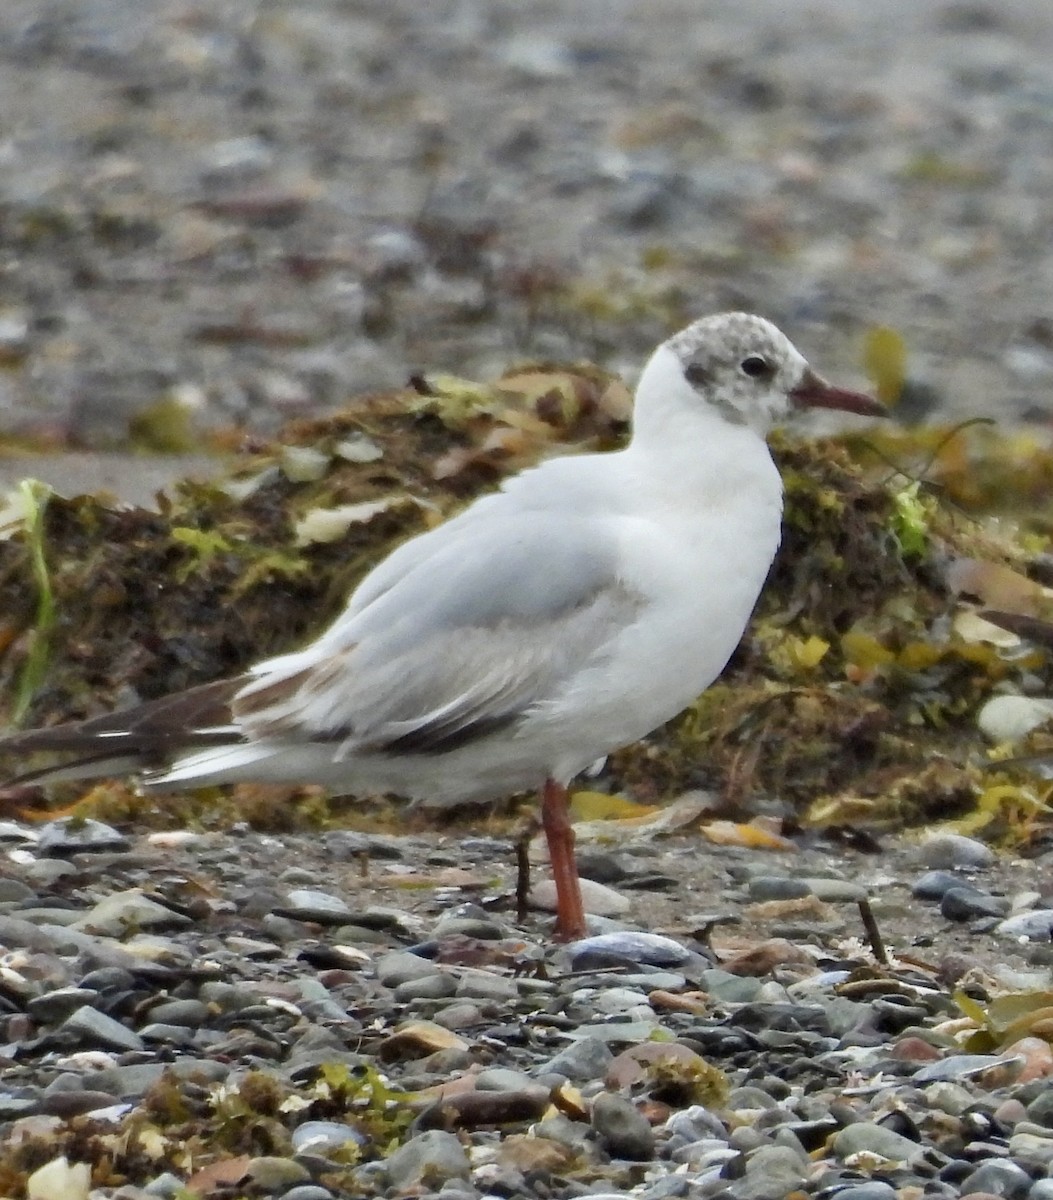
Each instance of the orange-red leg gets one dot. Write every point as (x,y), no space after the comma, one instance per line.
(559,833)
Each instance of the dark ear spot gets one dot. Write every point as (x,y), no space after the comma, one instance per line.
(696,374)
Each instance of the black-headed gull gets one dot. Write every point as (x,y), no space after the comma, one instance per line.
(573,612)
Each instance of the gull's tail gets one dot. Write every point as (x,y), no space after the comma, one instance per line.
(142,738)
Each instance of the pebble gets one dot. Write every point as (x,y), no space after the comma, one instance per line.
(622,1129)
(87,1024)
(1035,926)
(434,1156)
(116,915)
(508,1047)
(968,904)
(946,851)
(867,1138)
(398,968)
(57,1005)
(933,885)
(585,1059)
(837,891)
(273,1174)
(627,947)
(598,899)
(771,1171)
(777,887)
(69,836)
(998,1178)
(305,904)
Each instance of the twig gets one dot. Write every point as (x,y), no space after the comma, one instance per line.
(877,944)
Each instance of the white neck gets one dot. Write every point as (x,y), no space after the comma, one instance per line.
(691,445)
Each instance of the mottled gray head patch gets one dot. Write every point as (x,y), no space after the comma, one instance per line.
(742,365)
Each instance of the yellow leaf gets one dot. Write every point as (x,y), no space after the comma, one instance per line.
(919,656)
(970,1007)
(864,650)
(599,806)
(732,833)
(885,362)
(808,653)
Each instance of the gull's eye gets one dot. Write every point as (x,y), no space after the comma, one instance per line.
(755,367)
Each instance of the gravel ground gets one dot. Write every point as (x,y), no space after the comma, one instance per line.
(211,1010)
(256,210)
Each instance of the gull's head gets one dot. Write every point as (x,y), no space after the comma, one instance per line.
(746,370)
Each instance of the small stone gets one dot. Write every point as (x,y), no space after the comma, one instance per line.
(623,1130)
(57,1005)
(68,835)
(427,987)
(95,1028)
(432,1157)
(581,1062)
(934,884)
(945,851)
(771,1171)
(346,844)
(1037,1055)
(415,1039)
(59,1179)
(306,904)
(319,1137)
(969,904)
(399,967)
(1009,719)
(598,899)
(1040,1110)
(271,1173)
(485,985)
(837,891)
(394,255)
(1034,926)
(998,1177)
(175,839)
(873,1189)
(866,1137)
(915,1049)
(728,988)
(502,1079)
(66,1104)
(192,1013)
(777,887)
(1031,1149)
(459,1016)
(14,891)
(165,1185)
(611,1001)
(236,160)
(1010,1112)
(483,929)
(616,949)
(602,867)
(948,1097)
(130,911)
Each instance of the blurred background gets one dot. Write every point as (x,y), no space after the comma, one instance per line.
(215,216)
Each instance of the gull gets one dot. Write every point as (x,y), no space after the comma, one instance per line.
(572,612)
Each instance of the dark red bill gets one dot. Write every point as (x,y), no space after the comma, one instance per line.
(814,392)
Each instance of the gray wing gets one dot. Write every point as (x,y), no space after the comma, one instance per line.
(464,641)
